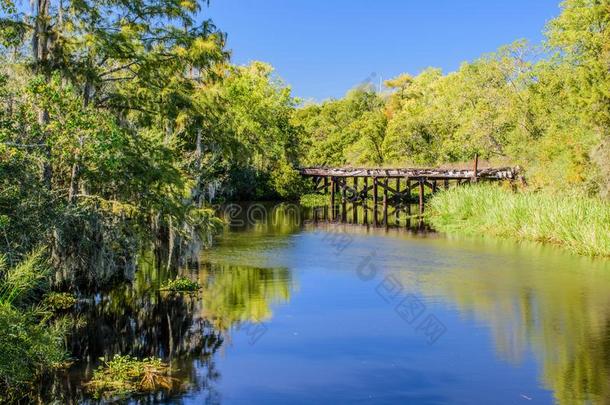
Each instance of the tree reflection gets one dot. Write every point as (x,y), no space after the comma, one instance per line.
(237,294)
(563,316)
(187,330)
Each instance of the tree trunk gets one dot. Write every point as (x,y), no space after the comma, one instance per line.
(40,52)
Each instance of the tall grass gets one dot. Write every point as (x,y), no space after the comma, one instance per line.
(579,224)
(29,344)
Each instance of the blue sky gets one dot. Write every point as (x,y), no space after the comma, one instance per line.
(322,48)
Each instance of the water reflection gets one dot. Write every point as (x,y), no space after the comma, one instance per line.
(558,309)
(547,315)
(184,329)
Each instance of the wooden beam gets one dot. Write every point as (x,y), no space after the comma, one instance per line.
(333,188)
(398,199)
(344,200)
(421,195)
(355,201)
(365,200)
(385,202)
(375,202)
(408,194)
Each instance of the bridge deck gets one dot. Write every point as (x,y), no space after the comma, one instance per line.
(413,173)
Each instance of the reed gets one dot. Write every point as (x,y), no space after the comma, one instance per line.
(579,224)
(30,345)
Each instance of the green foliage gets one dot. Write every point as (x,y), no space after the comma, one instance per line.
(313,200)
(124,376)
(581,225)
(287,181)
(254,145)
(116,130)
(338,130)
(180,284)
(30,345)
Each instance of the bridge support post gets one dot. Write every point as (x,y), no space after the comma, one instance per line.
(365,200)
(375,202)
(355,201)
(421,196)
(333,187)
(385,202)
(344,199)
(397,200)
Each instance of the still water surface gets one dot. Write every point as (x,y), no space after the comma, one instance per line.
(294,312)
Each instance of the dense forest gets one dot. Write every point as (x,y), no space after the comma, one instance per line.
(121,121)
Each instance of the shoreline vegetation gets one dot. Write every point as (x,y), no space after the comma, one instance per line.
(578,224)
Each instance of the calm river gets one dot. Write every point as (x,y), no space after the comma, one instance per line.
(296,312)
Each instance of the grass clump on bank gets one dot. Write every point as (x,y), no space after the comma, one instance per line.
(180,284)
(579,224)
(125,376)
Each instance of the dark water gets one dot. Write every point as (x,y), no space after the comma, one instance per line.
(295,312)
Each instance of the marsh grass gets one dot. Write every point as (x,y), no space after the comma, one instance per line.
(125,376)
(579,224)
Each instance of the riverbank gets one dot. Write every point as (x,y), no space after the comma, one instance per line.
(578,224)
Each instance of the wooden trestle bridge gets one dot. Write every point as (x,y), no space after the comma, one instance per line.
(397,188)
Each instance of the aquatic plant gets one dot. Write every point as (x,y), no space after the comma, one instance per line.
(577,223)
(180,284)
(124,376)
(58,301)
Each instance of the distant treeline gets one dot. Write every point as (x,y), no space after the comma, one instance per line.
(545,108)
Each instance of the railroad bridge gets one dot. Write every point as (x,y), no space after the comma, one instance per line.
(399,189)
